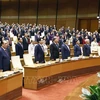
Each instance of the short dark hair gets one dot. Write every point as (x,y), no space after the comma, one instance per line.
(19,38)
(2,42)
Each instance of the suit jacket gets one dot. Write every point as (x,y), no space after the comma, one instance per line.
(54,51)
(39,54)
(65,51)
(9,52)
(77,50)
(37,37)
(86,50)
(4,60)
(47,40)
(19,50)
(74,41)
(25,43)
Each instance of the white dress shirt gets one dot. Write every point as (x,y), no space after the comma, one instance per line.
(31,49)
(45,48)
(94,46)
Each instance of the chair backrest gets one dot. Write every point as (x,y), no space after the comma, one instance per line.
(28,59)
(16,62)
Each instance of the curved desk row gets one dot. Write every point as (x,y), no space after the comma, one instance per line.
(11,87)
(40,75)
(75,95)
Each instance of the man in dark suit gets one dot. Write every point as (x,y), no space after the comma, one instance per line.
(77,49)
(86,48)
(61,40)
(39,52)
(4,57)
(54,49)
(37,36)
(8,49)
(65,50)
(25,42)
(19,48)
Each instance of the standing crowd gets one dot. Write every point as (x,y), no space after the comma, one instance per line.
(37,38)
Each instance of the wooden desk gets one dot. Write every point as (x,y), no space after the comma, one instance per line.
(40,75)
(75,95)
(11,87)
(14,53)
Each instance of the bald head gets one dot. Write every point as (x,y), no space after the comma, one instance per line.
(87,41)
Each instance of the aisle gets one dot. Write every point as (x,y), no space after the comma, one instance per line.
(57,91)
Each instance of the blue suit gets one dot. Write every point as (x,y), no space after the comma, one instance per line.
(65,51)
(4,60)
(39,54)
(77,50)
(19,50)
(86,50)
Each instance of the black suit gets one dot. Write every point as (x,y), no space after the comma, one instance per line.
(54,50)
(39,54)
(19,50)
(25,43)
(86,50)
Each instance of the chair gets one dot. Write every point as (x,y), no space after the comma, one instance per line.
(28,59)
(16,64)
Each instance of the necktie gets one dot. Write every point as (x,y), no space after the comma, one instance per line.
(26,39)
(68,47)
(57,45)
(42,47)
(21,45)
(6,53)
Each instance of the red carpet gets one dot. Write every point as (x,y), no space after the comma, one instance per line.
(54,92)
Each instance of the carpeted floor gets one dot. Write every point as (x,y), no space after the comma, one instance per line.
(57,91)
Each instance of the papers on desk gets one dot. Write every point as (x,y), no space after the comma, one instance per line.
(28,59)
(74,58)
(16,62)
(8,73)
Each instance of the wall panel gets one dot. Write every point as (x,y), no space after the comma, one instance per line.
(28,11)
(88,8)
(47,12)
(9,11)
(66,13)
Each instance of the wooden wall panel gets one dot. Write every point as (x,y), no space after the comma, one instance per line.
(66,13)
(88,8)
(47,12)
(9,8)
(9,11)
(94,25)
(28,11)
(91,24)
(10,21)
(47,7)
(25,20)
(47,21)
(28,8)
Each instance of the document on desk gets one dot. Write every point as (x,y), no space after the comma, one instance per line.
(28,59)
(16,62)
